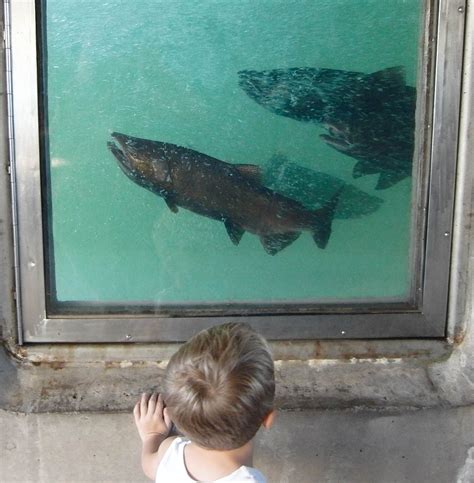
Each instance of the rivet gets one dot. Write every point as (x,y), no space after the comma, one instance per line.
(446,233)
(128,337)
(343,332)
(31,264)
(460,9)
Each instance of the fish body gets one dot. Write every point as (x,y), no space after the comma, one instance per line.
(370,117)
(222,191)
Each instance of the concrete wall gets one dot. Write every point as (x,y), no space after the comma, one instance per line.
(310,374)
(435,446)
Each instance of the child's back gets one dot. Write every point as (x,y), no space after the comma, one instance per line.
(219,389)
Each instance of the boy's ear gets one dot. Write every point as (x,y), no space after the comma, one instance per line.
(269,419)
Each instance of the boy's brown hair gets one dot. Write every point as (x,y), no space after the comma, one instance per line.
(220,385)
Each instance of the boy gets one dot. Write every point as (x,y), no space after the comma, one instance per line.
(219,389)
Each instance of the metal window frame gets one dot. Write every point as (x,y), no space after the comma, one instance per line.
(423,317)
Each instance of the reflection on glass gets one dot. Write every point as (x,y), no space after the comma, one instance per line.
(216,152)
(370,117)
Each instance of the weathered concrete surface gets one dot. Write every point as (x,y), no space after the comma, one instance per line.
(88,378)
(435,446)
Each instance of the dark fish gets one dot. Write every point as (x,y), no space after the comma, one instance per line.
(370,117)
(230,193)
(314,189)
(305,94)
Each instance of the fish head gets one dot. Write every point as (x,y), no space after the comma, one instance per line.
(143,161)
(287,92)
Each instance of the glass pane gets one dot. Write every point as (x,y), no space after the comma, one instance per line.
(207,152)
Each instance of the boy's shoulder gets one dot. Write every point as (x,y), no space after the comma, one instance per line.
(164,446)
(172,462)
(170,459)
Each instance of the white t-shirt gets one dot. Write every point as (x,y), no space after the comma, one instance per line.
(173,470)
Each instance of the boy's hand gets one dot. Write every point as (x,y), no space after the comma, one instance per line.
(151,417)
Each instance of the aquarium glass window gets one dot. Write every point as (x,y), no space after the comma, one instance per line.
(225,153)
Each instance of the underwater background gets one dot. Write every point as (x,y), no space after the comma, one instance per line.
(167,71)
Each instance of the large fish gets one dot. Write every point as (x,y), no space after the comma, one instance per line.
(370,117)
(230,193)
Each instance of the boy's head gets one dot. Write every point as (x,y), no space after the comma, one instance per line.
(220,385)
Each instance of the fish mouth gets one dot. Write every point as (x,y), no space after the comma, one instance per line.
(247,75)
(121,148)
(125,143)
(265,88)
(253,82)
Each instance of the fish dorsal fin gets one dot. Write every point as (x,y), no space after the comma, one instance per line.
(275,243)
(235,231)
(171,204)
(394,76)
(364,167)
(388,178)
(251,171)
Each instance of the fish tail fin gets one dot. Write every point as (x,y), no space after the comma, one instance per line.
(322,226)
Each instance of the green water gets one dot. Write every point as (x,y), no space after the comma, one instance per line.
(167,71)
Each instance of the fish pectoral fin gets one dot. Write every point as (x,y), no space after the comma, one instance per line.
(275,243)
(171,205)
(235,231)
(251,171)
(336,143)
(362,168)
(388,178)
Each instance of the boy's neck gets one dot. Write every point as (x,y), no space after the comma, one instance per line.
(207,464)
